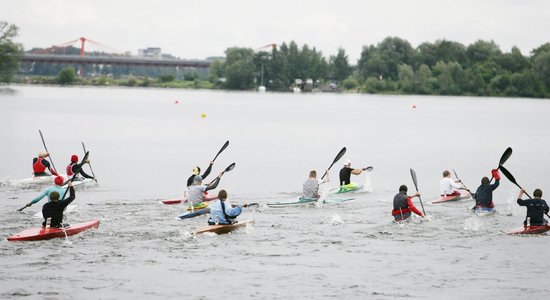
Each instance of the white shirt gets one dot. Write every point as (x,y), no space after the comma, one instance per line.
(447,186)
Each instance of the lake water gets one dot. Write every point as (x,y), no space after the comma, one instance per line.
(143,146)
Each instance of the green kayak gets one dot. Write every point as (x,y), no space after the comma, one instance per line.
(348,188)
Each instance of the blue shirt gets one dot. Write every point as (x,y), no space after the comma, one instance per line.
(47,192)
(216,213)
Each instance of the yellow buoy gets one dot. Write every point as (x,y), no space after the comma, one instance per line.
(203,115)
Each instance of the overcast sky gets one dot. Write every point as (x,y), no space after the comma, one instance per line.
(202,28)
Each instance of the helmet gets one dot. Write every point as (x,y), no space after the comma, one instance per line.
(74,158)
(58,180)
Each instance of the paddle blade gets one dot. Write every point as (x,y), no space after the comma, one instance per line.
(368,169)
(230,167)
(340,154)
(221,150)
(337,158)
(505,156)
(413,175)
(508,175)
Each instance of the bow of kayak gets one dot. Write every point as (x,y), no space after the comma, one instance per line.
(464,195)
(300,202)
(530,230)
(222,229)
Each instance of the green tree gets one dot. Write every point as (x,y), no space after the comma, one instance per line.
(339,66)
(66,76)
(423,80)
(10,52)
(394,52)
(481,51)
(239,68)
(406,78)
(350,83)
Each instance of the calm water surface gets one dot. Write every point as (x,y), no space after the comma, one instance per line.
(143,146)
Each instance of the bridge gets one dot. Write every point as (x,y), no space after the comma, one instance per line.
(115,60)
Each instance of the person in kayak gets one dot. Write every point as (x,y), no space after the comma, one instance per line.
(346,171)
(197,171)
(403,205)
(49,190)
(484,193)
(448,186)
(196,190)
(75,167)
(536,208)
(54,208)
(222,212)
(40,164)
(311,185)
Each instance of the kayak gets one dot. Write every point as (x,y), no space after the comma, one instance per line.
(348,188)
(464,195)
(40,233)
(530,230)
(192,214)
(221,229)
(178,201)
(484,211)
(68,209)
(82,183)
(300,202)
(35,180)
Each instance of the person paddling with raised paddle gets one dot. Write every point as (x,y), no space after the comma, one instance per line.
(484,193)
(53,210)
(347,171)
(403,205)
(59,181)
(536,208)
(197,169)
(75,168)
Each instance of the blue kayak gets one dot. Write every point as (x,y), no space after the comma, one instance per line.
(192,214)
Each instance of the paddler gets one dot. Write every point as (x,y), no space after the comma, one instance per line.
(403,205)
(311,185)
(484,193)
(222,212)
(346,171)
(197,171)
(74,165)
(448,186)
(196,190)
(536,208)
(54,208)
(49,190)
(40,164)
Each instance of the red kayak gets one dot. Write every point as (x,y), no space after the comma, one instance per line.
(41,233)
(171,201)
(530,230)
(464,195)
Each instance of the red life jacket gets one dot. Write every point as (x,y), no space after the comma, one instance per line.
(70,170)
(38,167)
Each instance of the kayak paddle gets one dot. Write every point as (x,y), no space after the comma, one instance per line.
(229,168)
(507,153)
(463,185)
(413,175)
(46,148)
(368,169)
(510,177)
(84,147)
(337,158)
(221,150)
(74,176)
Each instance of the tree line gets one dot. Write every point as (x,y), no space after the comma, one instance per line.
(394,66)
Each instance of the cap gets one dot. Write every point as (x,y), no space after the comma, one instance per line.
(197,178)
(58,180)
(74,158)
(347,162)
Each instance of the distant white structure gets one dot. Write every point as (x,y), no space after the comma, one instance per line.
(150,52)
(261,89)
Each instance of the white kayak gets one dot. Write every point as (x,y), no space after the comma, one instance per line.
(85,182)
(35,180)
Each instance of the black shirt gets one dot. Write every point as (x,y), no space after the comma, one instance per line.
(54,210)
